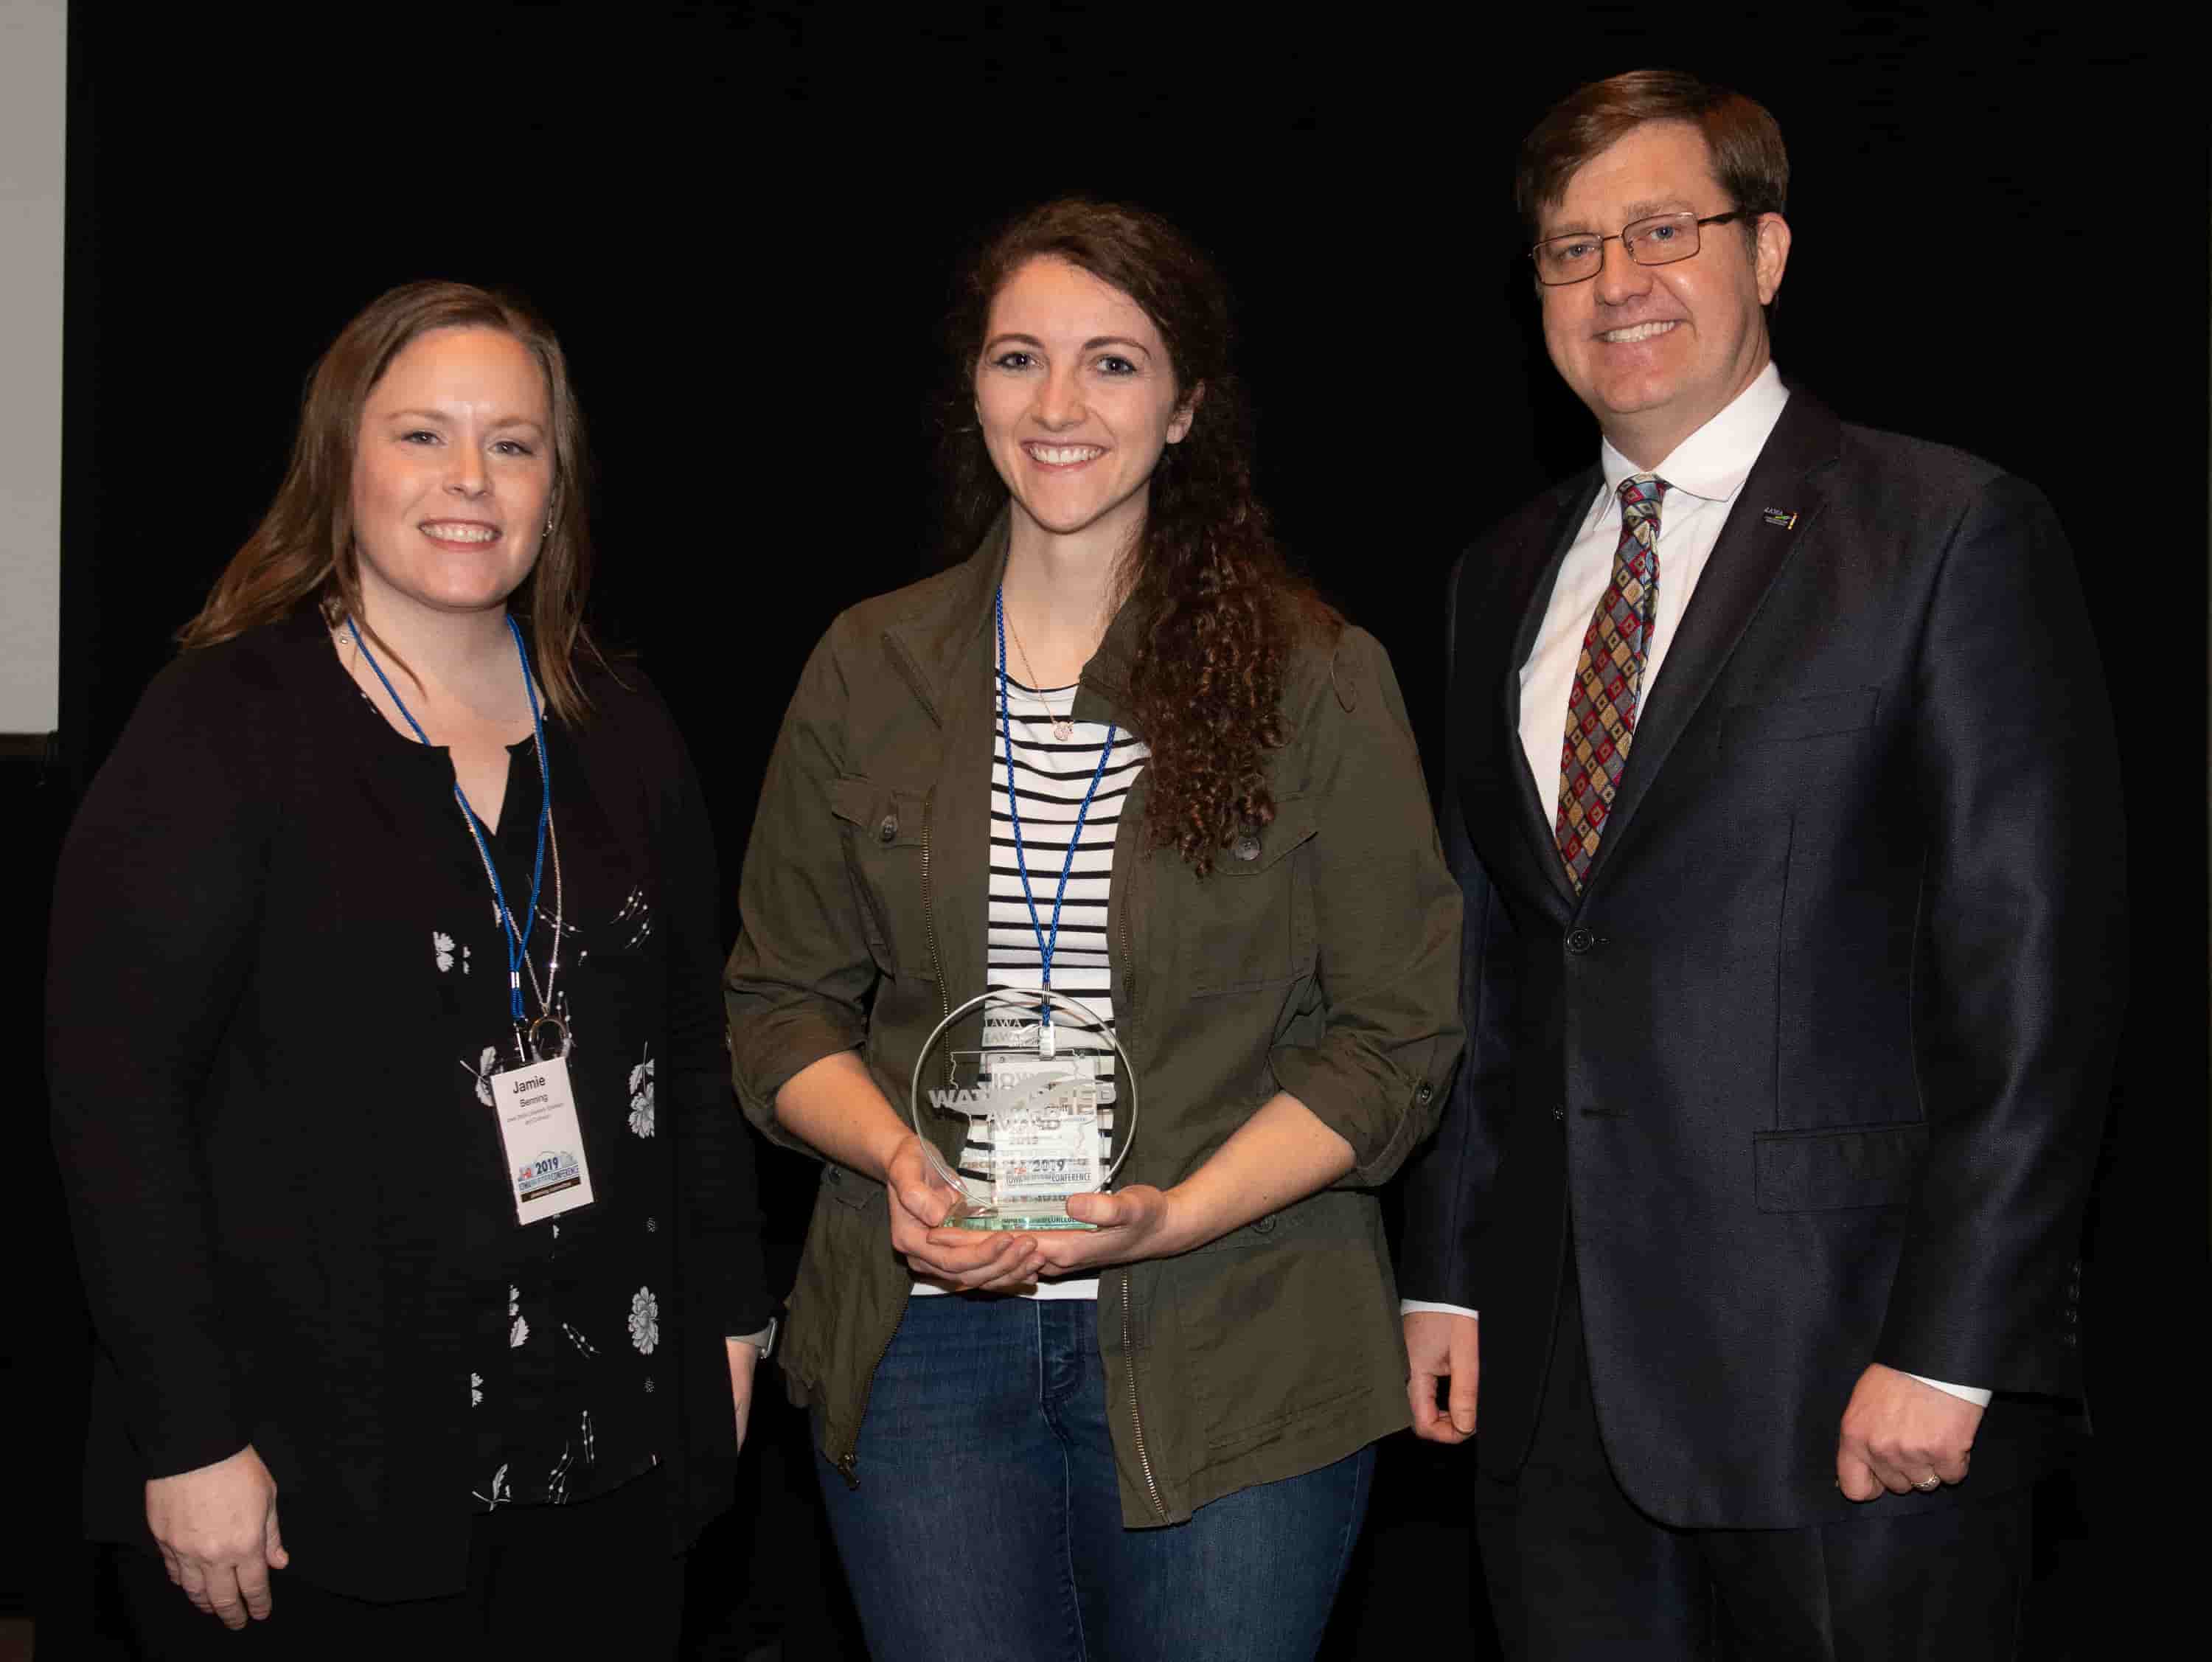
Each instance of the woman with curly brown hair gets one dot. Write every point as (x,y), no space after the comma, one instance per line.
(1121,780)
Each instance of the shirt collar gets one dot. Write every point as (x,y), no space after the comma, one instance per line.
(1714,461)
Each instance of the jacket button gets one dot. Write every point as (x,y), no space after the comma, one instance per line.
(1559,1111)
(1424,1093)
(888,830)
(1580,940)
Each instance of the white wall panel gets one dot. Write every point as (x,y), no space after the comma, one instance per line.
(34,104)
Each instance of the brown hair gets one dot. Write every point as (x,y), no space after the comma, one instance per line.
(1745,142)
(1221,609)
(304,545)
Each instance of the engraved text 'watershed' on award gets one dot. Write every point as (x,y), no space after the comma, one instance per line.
(1034,1127)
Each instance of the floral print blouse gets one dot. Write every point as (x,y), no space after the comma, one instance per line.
(569,1349)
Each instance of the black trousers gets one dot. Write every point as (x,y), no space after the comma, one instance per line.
(594,1579)
(1576,1571)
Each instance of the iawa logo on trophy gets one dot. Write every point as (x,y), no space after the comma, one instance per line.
(1043,1111)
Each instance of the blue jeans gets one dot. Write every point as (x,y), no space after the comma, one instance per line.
(987,1524)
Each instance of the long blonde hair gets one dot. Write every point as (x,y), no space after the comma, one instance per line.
(305,546)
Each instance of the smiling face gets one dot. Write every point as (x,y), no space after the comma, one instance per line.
(1656,351)
(1076,399)
(452,470)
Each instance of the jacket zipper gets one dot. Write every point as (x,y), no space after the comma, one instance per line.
(929,923)
(848,1463)
(1136,1417)
(1129,967)
(1122,1012)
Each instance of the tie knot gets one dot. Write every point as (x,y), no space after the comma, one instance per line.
(1642,492)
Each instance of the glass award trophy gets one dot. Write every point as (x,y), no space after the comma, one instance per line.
(1044,1110)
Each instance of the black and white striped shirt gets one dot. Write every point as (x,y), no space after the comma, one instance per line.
(1051,775)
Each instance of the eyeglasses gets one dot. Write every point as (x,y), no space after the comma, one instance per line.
(1659,241)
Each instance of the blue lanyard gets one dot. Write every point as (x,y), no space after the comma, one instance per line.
(1046,944)
(518,941)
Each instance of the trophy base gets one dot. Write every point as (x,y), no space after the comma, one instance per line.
(1027,1218)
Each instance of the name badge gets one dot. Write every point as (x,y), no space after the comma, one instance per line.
(545,1144)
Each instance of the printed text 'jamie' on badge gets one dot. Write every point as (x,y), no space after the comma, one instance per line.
(537,1127)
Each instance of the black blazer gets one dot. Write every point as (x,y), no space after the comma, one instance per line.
(272,1189)
(1812,1070)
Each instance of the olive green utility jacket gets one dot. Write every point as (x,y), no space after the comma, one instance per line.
(1324,965)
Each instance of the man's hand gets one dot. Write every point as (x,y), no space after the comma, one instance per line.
(975,1260)
(744,1360)
(1897,1433)
(1440,1346)
(216,1528)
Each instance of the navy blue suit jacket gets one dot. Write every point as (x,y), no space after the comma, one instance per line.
(1813,1071)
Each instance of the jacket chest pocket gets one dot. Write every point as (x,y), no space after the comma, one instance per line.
(1823,716)
(1250,924)
(885,834)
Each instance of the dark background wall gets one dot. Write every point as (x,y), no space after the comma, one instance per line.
(743,223)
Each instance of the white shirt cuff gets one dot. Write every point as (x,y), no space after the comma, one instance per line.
(1975,1394)
(1407,1307)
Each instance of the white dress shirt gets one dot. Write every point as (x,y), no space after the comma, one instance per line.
(1704,475)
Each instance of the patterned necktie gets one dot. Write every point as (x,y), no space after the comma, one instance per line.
(1609,680)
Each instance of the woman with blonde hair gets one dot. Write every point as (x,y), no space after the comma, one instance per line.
(417,1223)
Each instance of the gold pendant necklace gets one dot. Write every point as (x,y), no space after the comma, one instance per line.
(1063,728)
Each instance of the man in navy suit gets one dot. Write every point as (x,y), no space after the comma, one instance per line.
(1781,786)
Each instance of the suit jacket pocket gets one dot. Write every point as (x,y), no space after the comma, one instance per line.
(1813,717)
(1832,1171)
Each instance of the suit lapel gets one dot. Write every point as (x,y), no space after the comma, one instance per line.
(1752,551)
